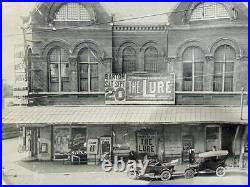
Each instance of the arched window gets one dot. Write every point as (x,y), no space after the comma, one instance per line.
(128,60)
(73,12)
(151,60)
(193,60)
(88,70)
(206,11)
(225,57)
(59,70)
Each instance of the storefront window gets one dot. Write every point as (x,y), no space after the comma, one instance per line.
(79,139)
(61,142)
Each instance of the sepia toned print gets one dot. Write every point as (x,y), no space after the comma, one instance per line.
(125,93)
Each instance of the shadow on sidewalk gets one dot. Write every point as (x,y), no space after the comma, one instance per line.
(57,167)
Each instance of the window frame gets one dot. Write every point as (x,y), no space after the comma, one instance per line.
(67,13)
(215,9)
(89,62)
(135,59)
(58,63)
(156,64)
(224,62)
(193,62)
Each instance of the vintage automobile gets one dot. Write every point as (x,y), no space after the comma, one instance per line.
(208,162)
(156,170)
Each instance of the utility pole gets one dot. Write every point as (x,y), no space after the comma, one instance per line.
(241,103)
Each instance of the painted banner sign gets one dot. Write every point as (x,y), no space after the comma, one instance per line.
(146,143)
(139,89)
(20,92)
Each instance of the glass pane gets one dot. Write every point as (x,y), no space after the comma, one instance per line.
(217,86)
(188,54)
(197,13)
(73,11)
(230,53)
(187,76)
(83,72)
(219,54)
(54,73)
(65,70)
(151,60)
(229,68)
(84,15)
(198,76)
(228,85)
(198,55)
(92,56)
(94,77)
(129,60)
(62,13)
(218,69)
(83,55)
(210,10)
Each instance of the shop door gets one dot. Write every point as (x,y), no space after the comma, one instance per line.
(213,138)
(34,141)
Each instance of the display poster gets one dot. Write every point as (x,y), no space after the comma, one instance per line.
(92,147)
(61,142)
(146,143)
(105,145)
(79,142)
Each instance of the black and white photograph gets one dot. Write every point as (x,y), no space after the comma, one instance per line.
(125,93)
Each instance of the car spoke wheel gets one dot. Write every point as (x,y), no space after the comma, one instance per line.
(220,171)
(165,175)
(132,175)
(189,174)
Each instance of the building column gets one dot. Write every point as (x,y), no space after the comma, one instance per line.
(208,73)
(73,78)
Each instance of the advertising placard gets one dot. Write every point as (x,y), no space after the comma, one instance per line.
(146,143)
(20,91)
(140,89)
(92,147)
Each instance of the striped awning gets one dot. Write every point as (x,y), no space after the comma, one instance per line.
(123,114)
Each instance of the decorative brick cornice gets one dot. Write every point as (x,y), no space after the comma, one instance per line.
(140,27)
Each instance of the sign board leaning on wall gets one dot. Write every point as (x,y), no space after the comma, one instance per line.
(140,88)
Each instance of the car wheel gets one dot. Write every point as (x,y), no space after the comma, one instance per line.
(189,174)
(132,175)
(220,171)
(165,175)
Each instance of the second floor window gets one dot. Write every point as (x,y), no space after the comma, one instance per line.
(128,60)
(151,60)
(73,12)
(193,59)
(207,11)
(224,68)
(88,70)
(58,70)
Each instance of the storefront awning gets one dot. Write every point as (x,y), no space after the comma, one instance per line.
(123,115)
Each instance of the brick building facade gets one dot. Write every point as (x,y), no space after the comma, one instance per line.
(73,45)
